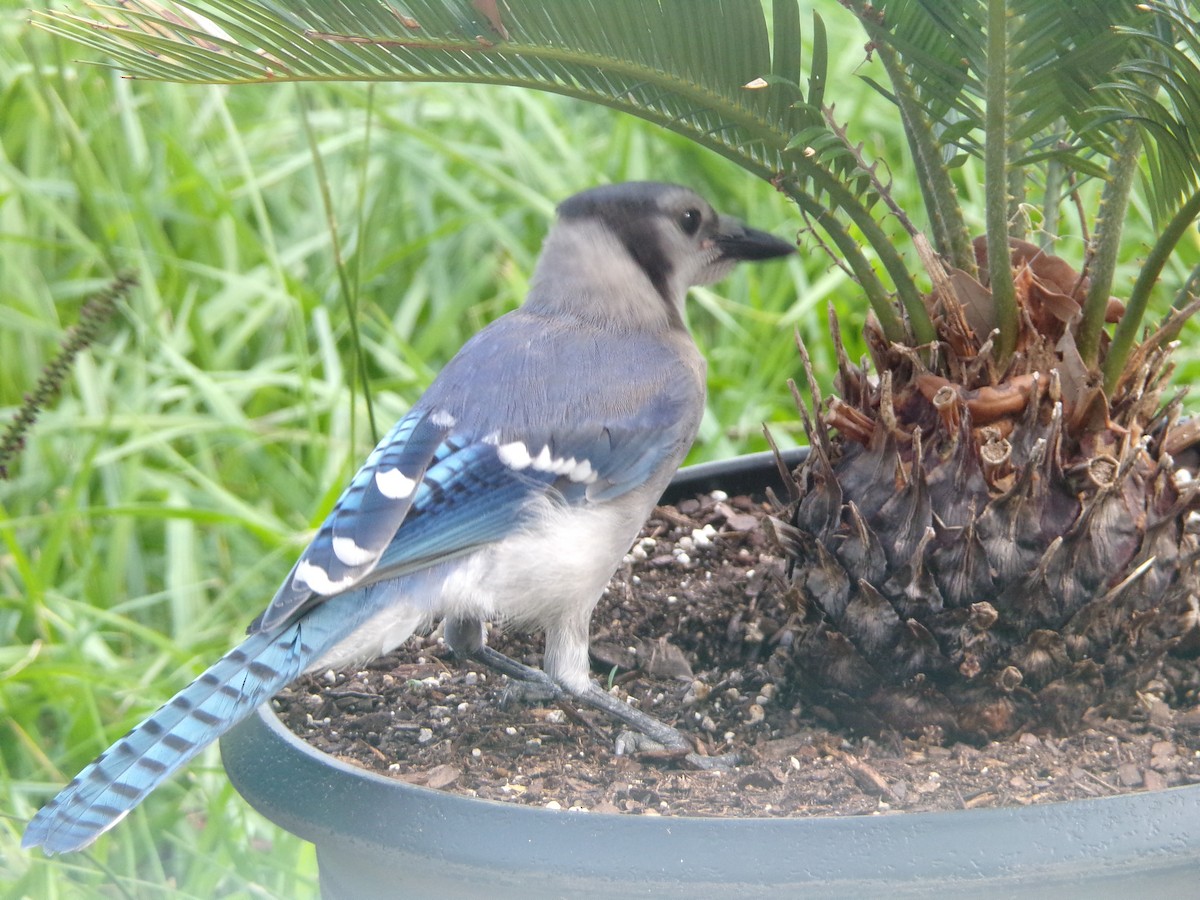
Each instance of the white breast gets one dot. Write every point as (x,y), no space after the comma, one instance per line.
(547,577)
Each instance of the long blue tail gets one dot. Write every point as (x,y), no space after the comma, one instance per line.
(104,793)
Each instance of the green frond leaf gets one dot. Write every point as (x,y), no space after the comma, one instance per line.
(714,78)
(1061,52)
(1159,90)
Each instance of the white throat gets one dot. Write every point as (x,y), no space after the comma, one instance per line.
(586,272)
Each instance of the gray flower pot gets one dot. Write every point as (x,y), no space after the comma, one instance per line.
(379,837)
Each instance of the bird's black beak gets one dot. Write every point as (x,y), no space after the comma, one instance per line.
(737,241)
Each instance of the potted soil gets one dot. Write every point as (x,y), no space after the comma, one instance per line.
(379,836)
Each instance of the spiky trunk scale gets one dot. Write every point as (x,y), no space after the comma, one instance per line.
(979,552)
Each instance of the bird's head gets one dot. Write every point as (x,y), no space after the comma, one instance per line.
(635,248)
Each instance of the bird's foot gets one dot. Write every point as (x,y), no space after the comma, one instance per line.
(529,693)
(527,684)
(635,743)
(645,736)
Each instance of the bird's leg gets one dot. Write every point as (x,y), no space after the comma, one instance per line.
(465,639)
(648,734)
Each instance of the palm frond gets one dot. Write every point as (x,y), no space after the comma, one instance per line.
(715,78)
(1159,89)
(949,231)
(1060,51)
(693,74)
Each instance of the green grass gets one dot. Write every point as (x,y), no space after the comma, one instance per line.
(161,500)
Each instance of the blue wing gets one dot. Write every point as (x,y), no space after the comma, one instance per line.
(511,417)
(428,493)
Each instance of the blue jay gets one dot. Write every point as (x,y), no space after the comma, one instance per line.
(511,492)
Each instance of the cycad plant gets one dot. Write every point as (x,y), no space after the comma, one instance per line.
(991,531)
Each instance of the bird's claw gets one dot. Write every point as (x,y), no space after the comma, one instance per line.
(631,743)
(634,743)
(529,693)
(725,762)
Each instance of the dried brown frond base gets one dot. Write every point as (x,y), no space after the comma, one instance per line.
(985,546)
(720,672)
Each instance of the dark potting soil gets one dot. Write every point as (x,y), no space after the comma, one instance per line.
(691,630)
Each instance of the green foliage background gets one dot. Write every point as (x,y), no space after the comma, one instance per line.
(162,498)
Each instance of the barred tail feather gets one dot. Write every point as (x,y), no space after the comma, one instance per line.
(103,793)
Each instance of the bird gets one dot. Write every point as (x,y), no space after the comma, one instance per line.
(510,492)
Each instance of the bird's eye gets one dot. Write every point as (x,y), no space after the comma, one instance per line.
(690,222)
